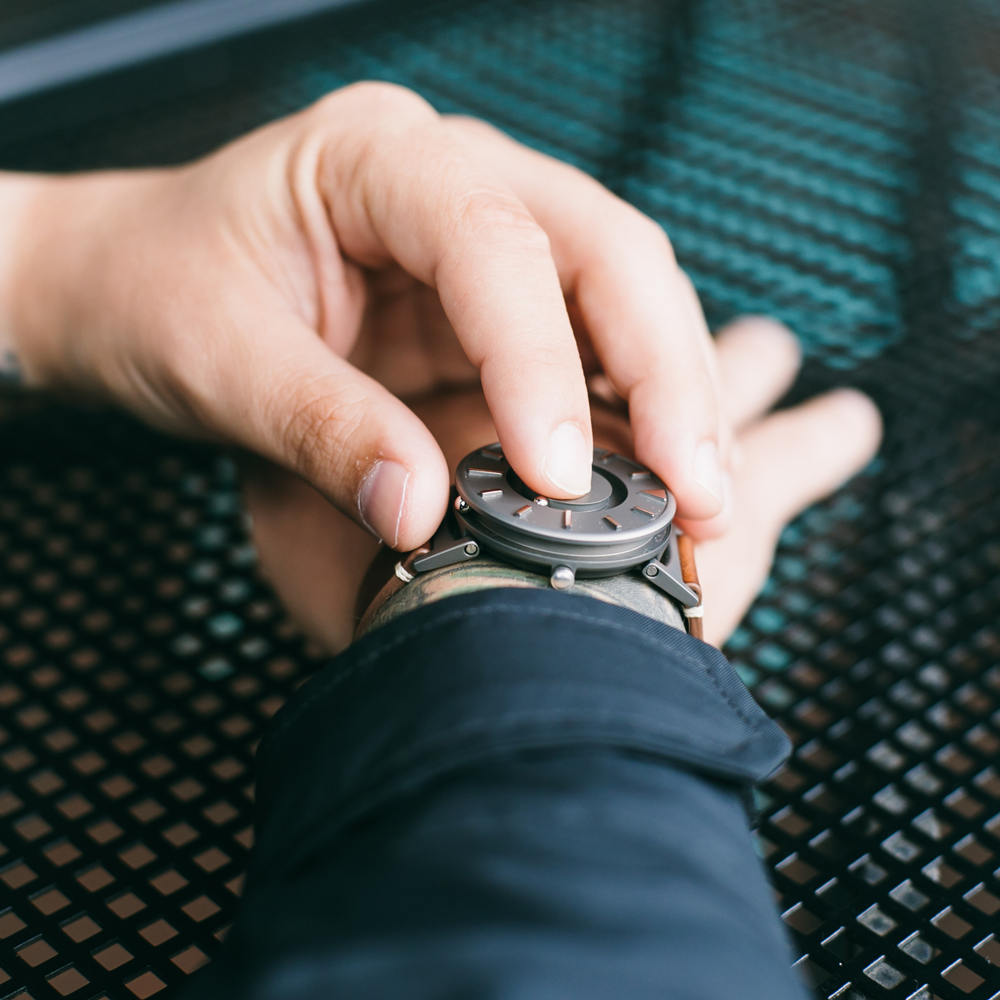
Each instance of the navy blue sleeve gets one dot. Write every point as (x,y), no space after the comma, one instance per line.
(511,794)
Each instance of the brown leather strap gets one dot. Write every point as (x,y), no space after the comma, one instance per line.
(689,574)
(402,573)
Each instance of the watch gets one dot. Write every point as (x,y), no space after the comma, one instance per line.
(624,525)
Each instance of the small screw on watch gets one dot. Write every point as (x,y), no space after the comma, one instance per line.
(624,524)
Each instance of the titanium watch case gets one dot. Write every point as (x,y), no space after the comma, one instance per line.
(625,522)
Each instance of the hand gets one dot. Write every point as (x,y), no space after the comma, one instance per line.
(286,292)
(316,558)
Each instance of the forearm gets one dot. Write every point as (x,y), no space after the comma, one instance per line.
(49,229)
(18,193)
(74,298)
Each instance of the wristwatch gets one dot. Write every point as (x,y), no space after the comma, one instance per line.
(624,525)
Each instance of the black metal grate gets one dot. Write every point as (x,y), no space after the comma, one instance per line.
(140,663)
(884,829)
(834,163)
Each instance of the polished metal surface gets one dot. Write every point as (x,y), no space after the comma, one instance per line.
(622,522)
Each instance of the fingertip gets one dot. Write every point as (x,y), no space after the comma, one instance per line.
(702,530)
(862,418)
(382,499)
(694,501)
(769,334)
(707,469)
(568,461)
(423,502)
(559,466)
(676,435)
(851,425)
(699,484)
(758,359)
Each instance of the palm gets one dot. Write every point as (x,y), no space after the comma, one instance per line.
(405,341)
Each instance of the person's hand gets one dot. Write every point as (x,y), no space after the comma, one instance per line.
(316,558)
(287,291)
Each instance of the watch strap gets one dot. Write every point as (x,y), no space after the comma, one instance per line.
(689,574)
(629,589)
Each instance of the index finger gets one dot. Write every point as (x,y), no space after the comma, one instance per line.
(398,185)
(640,311)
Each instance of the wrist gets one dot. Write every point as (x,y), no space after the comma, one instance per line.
(627,590)
(70,281)
(18,193)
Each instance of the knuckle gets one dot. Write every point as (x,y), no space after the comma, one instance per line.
(497,218)
(382,101)
(653,235)
(548,366)
(480,135)
(627,232)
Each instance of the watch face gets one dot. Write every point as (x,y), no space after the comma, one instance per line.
(624,520)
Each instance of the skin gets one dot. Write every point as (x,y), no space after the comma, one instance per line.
(290,291)
(316,558)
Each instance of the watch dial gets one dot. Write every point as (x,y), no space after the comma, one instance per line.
(625,519)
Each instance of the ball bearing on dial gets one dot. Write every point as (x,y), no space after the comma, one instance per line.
(625,520)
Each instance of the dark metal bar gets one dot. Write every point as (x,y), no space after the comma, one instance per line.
(135,38)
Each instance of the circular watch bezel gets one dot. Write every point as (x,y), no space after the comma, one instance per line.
(626,527)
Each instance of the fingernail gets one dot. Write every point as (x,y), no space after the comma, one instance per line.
(383,494)
(567,463)
(707,471)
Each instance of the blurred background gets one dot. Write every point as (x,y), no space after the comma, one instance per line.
(834,163)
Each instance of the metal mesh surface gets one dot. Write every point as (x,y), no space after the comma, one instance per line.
(836,164)
(141,661)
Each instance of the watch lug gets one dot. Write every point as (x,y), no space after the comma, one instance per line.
(666,575)
(446,549)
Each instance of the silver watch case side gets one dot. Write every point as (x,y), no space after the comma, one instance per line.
(625,522)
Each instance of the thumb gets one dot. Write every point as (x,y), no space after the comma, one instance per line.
(292,400)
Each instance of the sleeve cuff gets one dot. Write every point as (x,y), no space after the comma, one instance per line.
(492,673)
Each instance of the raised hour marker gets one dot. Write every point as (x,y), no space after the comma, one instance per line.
(642,510)
(493,473)
(609,520)
(520,512)
(659,494)
(567,519)
(493,456)
(487,494)
(642,474)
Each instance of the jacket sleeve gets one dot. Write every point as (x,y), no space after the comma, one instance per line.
(511,794)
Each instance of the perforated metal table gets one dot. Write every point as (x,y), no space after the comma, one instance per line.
(836,164)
